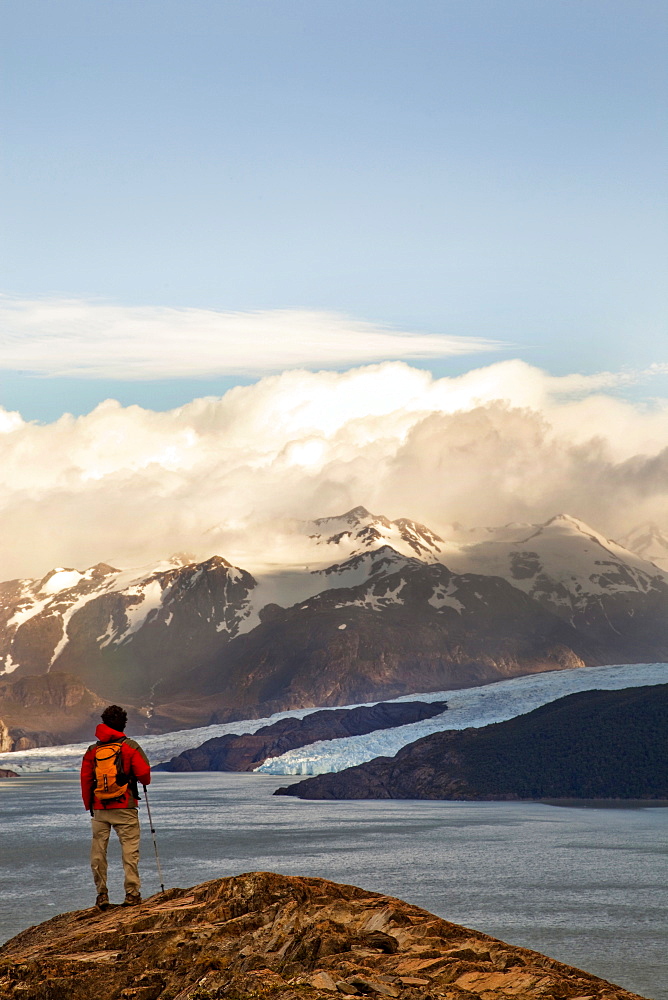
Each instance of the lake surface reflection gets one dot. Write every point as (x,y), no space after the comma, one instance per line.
(586,886)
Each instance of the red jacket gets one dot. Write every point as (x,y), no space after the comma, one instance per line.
(135,763)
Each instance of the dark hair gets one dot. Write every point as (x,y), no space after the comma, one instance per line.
(115,717)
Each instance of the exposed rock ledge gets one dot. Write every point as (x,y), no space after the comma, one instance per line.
(266,935)
(6,773)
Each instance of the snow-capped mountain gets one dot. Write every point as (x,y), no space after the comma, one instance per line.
(650,542)
(380,609)
(407,626)
(358,531)
(368,567)
(564,550)
(601,588)
(123,631)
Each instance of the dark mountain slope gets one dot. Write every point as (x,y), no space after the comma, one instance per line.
(594,744)
(421,628)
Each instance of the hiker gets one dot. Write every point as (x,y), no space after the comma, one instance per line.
(110,772)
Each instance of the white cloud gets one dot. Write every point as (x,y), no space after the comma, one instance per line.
(500,443)
(95,340)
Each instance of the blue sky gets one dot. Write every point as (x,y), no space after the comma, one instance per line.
(487,169)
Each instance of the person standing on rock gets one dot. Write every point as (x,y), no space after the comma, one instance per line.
(111,771)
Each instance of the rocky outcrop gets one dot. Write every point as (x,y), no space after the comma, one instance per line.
(6,773)
(279,937)
(6,738)
(246,752)
(26,739)
(45,710)
(590,745)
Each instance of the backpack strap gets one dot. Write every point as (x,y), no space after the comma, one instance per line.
(132,780)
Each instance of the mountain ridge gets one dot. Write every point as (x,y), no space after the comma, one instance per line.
(381,622)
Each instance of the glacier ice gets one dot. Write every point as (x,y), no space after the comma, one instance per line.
(475,706)
(478,706)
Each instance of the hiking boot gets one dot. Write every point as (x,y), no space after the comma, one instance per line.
(132,899)
(102,901)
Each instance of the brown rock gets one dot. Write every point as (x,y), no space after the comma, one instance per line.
(365,985)
(273,936)
(6,741)
(46,710)
(322,980)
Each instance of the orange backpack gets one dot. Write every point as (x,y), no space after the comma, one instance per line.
(111,782)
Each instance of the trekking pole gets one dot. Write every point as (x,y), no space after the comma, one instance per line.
(155,843)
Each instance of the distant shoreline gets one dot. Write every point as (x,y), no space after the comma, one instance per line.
(604,803)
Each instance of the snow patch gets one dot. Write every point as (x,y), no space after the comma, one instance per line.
(25,614)
(376,601)
(443,597)
(369,566)
(108,635)
(64,639)
(9,665)
(136,614)
(61,579)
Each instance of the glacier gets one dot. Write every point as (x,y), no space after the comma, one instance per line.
(475,706)
(467,707)
(158,748)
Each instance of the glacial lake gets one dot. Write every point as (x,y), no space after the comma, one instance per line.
(588,886)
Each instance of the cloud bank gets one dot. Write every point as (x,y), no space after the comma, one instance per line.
(505,442)
(93,340)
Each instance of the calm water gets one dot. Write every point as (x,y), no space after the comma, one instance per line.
(586,886)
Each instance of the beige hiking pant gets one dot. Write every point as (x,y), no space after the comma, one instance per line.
(126,824)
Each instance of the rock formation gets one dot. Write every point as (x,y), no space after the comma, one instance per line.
(246,752)
(45,710)
(590,745)
(6,773)
(279,937)
(6,738)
